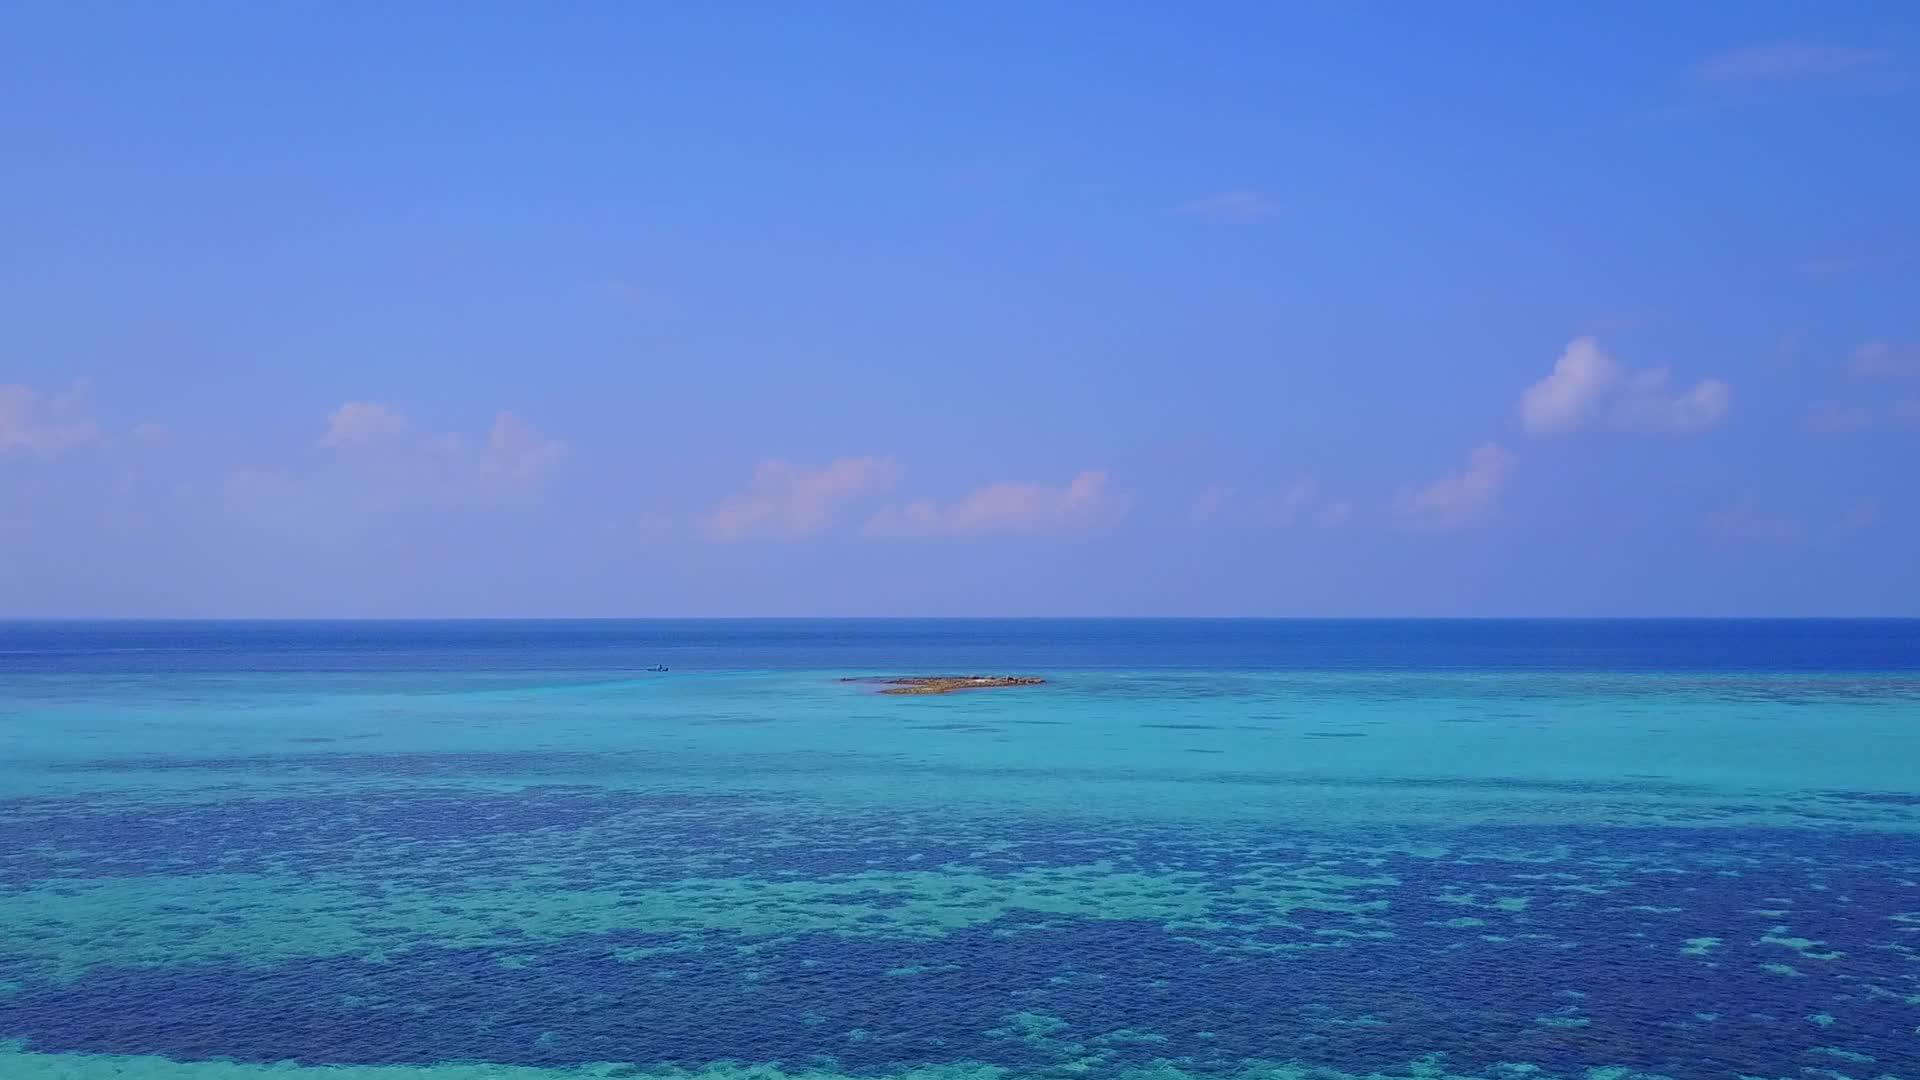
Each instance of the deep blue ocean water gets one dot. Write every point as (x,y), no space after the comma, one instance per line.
(1594,849)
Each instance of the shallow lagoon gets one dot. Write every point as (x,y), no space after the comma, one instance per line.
(1236,849)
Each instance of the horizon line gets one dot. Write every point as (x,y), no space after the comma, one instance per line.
(14,620)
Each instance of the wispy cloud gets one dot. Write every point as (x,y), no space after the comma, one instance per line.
(1786,60)
(1587,387)
(1836,419)
(1087,501)
(1836,265)
(1877,361)
(1284,508)
(1239,205)
(1833,419)
(1646,404)
(787,501)
(1211,504)
(641,298)
(1748,524)
(1219,504)
(1887,360)
(374,458)
(515,453)
(362,423)
(1463,497)
(45,425)
(1864,514)
(152,434)
(259,483)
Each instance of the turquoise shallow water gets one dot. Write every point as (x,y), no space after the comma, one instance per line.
(1200,850)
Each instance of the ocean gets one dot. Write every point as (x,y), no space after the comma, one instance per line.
(1292,849)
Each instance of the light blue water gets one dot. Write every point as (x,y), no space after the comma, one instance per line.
(1202,849)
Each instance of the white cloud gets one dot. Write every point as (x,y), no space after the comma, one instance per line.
(1084,502)
(1567,399)
(1782,60)
(362,423)
(517,454)
(789,501)
(1883,360)
(1463,497)
(43,425)
(1588,387)
(1241,205)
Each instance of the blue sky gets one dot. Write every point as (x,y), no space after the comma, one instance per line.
(861,309)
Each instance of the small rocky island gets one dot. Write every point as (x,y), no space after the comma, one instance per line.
(947,684)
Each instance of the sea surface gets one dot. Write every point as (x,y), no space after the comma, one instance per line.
(426,851)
